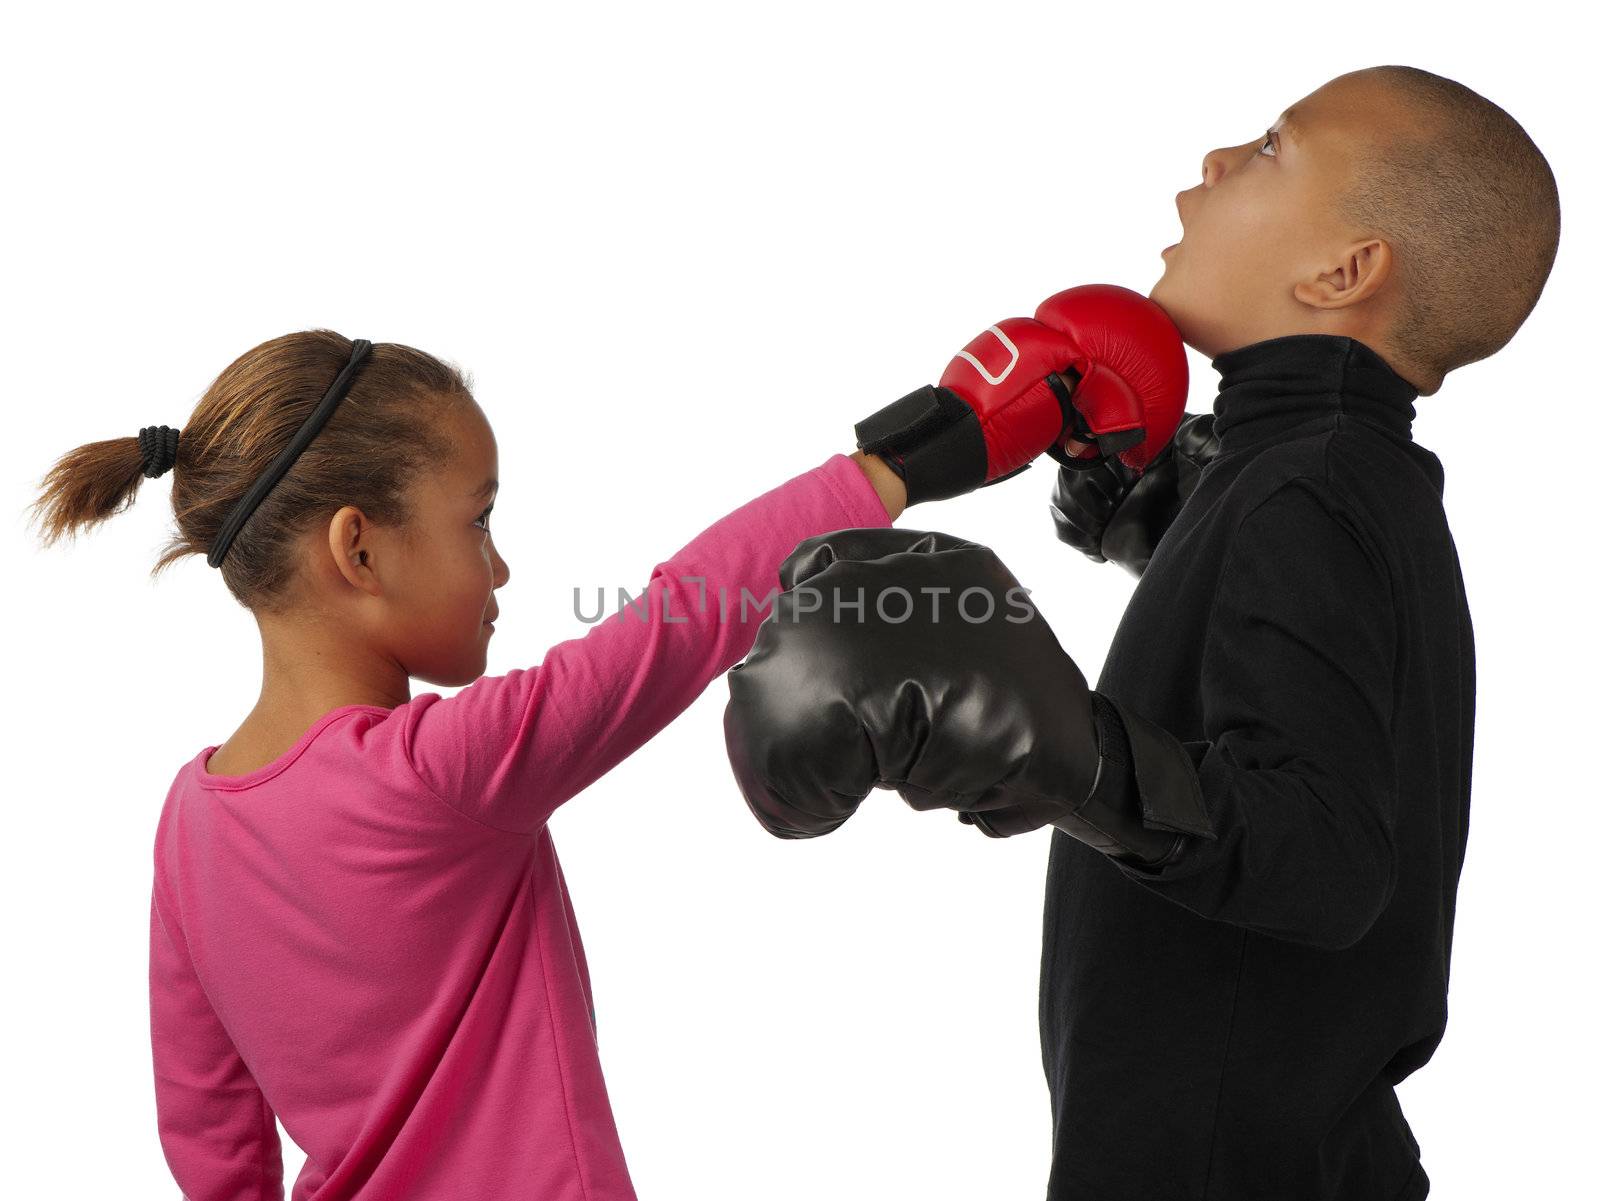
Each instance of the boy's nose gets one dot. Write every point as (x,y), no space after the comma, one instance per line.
(1219,162)
(1213,167)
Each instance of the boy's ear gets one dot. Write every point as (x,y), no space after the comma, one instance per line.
(1357,274)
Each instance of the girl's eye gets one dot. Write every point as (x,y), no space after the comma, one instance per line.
(1267,148)
(484,517)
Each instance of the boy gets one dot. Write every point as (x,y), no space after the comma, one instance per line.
(1261,810)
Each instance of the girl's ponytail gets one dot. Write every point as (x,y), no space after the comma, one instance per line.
(88,485)
(386,428)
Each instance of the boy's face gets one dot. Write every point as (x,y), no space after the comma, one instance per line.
(1263,220)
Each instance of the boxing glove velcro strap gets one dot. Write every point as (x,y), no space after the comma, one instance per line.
(1169,788)
(1146,800)
(931,439)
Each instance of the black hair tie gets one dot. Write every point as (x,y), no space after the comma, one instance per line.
(159,446)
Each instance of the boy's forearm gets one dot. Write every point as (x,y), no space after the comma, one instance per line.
(890,487)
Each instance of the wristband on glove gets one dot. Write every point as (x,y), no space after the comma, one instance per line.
(933,441)
(1145,807)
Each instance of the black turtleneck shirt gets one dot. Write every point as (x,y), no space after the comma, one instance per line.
(1232,1027)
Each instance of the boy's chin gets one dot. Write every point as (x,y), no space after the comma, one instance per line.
(1165,291)
(1171,302)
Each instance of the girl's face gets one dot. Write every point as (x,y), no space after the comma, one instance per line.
(438,576)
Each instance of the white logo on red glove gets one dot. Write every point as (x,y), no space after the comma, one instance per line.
(984,371)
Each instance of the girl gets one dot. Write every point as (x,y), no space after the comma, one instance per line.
(358,923)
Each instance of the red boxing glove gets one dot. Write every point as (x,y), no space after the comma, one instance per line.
(1133,373)
(1099,362)
(1013,378)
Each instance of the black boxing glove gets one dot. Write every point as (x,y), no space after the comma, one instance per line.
(1106,510)
(915,661)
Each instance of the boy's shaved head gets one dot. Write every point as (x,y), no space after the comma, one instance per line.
(1470,205)
(1390,205)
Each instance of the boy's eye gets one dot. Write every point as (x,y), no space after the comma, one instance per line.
(1267,148)
(484,516)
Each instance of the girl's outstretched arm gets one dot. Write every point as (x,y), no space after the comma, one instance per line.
(890,487)
(507,750)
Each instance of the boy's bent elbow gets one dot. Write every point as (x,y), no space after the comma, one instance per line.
(1361,901)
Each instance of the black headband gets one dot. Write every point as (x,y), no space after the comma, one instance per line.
(280,466)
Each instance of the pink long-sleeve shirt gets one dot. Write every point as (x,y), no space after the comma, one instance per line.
(370,938)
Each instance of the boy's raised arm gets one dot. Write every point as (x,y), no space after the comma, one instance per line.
(1298,765)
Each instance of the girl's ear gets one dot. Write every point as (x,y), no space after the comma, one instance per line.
(352,548)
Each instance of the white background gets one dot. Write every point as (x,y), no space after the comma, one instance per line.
(682,249)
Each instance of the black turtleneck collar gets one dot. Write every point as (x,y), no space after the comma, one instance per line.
(1268,388)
